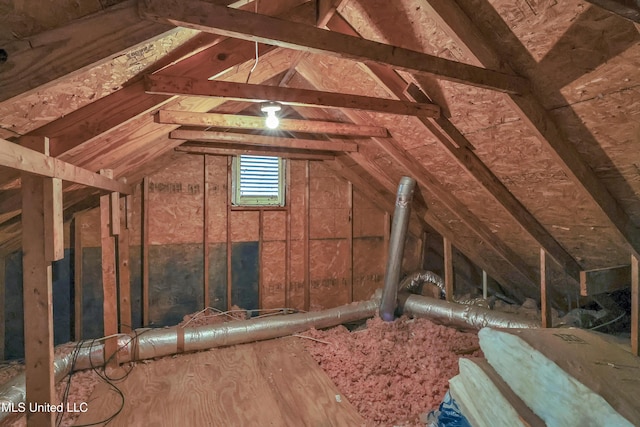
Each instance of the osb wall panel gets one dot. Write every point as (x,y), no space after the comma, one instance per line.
(369,263)
(176,202)
(245,226)
(273,274)
(329,212)
(90,226)
(297,285)
(297,186)
(176,219)
(412,254)
(274,225)
(134,215)
(367,219)
(217,198)
(328,273)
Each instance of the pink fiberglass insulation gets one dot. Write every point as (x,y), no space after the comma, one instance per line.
(393,372)
(211,316)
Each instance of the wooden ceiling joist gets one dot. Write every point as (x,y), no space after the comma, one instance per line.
(250,26)
(462,150)
(263,140)
(273,151)
(22,159)
(234,121)
(175,85)
(456,22)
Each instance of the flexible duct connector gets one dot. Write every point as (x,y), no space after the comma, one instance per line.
(462,316)
(414,282)
(152,343)
(401,216)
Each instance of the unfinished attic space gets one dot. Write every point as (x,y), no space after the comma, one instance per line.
(319,213)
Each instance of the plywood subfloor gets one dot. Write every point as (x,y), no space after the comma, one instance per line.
(272,383)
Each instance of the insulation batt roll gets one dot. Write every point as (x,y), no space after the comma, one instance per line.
(568,377)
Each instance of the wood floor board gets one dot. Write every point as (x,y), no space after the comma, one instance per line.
(273,383)
(306,395)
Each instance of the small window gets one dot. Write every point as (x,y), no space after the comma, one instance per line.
(258,181)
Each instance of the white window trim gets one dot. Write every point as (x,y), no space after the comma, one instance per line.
(239,200)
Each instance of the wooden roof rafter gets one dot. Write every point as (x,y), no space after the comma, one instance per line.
(469,37)
(455,143)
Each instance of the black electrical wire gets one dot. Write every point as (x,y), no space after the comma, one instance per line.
(65,396)
(103,375)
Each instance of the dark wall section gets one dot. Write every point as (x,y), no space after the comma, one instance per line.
(62,275)
(92,310)
(218,275)
(244,275)
(175,282)
(135,268)
(14,315)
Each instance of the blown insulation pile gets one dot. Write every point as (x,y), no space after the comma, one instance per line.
(394,373)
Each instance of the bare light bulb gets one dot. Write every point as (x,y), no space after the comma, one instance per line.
(271,108)
(272,121)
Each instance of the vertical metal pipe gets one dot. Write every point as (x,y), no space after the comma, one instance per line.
(388,302)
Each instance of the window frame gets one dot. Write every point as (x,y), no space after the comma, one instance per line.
(239,200)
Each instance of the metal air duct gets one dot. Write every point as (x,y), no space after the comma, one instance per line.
(459,315)
(389,300)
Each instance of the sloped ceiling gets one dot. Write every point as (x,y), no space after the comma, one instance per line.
(500,175)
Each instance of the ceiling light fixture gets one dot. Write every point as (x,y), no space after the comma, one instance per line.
(271,108)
